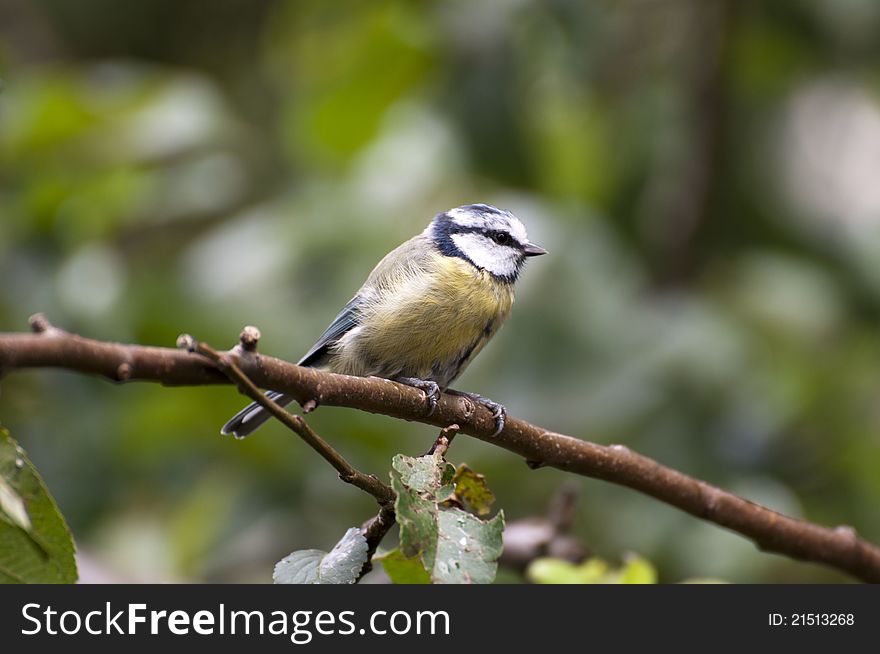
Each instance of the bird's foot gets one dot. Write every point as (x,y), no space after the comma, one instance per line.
(429,388)
(498,410)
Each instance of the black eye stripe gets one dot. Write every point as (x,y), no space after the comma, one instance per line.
(496,235)
(502,238)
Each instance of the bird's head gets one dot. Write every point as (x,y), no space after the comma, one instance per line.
(491,239)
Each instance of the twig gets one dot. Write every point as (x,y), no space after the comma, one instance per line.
(443,440)
(248,343)
(561,511)
(839,548)
(546,535)
(374,530)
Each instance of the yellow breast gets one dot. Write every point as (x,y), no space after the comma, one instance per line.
(426,322)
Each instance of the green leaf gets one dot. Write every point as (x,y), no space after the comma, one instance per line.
(417,518)
(472,491)
(35,543)
(635,570)
(450,544)
(12,506)
(341,565)
(344,562)
(467,548)
(447,487)
(425,474)
(559,571)
(551,571)
(594,571)
(403,569)
(299,567)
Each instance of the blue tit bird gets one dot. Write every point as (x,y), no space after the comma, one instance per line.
(425,311)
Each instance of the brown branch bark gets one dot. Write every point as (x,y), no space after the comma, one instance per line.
(838,547)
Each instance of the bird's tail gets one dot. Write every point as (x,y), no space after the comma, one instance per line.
(252,416)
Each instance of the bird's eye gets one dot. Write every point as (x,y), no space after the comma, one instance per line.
(501,238)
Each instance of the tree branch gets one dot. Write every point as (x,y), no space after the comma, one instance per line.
(374,529)
(226,362)
(839,548)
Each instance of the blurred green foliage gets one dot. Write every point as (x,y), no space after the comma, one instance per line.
(635,570)
(703,173)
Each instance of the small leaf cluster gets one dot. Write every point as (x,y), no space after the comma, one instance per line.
(444,537)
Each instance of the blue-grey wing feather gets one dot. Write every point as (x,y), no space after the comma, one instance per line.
(343,323)
(253,415)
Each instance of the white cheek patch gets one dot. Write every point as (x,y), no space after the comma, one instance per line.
(497,259)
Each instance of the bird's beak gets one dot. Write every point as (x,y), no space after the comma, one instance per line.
(532,250)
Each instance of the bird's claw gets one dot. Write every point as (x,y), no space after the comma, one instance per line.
(432,393)
(498,410)
(429,388)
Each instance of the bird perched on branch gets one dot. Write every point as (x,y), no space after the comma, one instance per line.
(425,311)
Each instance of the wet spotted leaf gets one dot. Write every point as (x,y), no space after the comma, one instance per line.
(440,543)
(341,565)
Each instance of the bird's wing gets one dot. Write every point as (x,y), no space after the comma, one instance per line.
(344,322)
(384,277)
